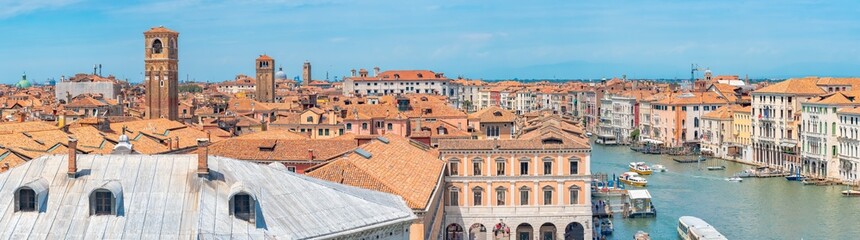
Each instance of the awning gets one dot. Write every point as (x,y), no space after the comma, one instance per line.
(706,150)
(652,141)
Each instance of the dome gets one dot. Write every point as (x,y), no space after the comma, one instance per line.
(280,75)
(23,83)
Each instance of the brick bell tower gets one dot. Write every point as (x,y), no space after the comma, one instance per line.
(161,65)
(265,79)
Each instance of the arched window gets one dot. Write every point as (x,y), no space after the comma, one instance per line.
(156,46)
(106,199)
(363,126)
(476,166)
(453,196)
(500,196)
(25,200)
(695,122)
(242,206)
(389,126)
(574,194)
(524,195)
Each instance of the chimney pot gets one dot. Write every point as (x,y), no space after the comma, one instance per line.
(73,157)
(202,157)
(5,167)
(311,154)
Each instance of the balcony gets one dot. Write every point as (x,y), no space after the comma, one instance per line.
(517,210)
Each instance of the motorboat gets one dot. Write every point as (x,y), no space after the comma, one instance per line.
(746,173)
(588,134)
(641,168)
(715,168)
(693,228)
(606,227)
(633,179)
(851,193)
(807,182)
(658,168)
(735,179)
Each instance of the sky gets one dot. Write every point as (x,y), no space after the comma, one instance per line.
(560,39)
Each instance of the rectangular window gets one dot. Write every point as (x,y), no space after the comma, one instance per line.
(524,197)
(547,168)
(478,199)
(454,198)
(319,132)
(242,206)
(574,167)
(476,168)
(103,203)
(547,197)
(574,196)
(26,200)
(524,168)
(291,168)
(500,168)
(500,197)
(453,168)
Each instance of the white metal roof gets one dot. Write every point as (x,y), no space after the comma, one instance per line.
(638,194)
(162,197)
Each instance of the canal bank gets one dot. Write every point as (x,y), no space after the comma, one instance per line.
(766,208)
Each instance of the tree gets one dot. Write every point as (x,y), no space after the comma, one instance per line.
(192,88)
(468,105)
(634,134)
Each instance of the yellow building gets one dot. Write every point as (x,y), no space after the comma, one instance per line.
(742,128)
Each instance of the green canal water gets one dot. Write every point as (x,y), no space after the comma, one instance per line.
(757,208)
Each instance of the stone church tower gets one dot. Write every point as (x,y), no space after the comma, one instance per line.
(265,79)
(161,64)
(306,74)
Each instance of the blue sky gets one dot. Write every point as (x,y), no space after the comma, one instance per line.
(474,39)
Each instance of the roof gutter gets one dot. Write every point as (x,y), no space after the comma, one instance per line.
(365,228)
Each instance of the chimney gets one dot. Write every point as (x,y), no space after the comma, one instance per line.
(375,71)
(169,144)
(5,167)
(264,126)
(353,72)
(202,157)
(177,142)
(73,157)
(311,154)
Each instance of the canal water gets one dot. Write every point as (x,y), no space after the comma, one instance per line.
(757,208)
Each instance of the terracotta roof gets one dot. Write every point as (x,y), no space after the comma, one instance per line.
(838,98)
(722,113)
(493,114)
(411,75)
(396,167)
(281,149)
(15,127)
(160,29)
(693,98)
(264,57)
(274,134)
(801,86)
(852,111)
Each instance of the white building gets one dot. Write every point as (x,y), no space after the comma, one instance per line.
(819,135)
(849,144)
(776,121)
(394,82)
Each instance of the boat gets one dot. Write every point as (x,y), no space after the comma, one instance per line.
(606,227)
(633,179)
(795,177)
(693,228)
(735,179)
(851,193)
(588,134)
(690,160)
(807,182)
(658,168)
(641,168)
(638,204)
(641,235)
(714,168)
(746,173)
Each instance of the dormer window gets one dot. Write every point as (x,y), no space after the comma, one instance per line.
(420,75)
(106,199)
(25,200)
(103,202)
(242,206)
(396,76)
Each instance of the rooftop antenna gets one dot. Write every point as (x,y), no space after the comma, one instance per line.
(100,69)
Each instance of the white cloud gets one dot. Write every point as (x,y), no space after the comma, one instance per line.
(11,8)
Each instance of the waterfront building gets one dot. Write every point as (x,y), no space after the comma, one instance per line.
(679,117)
(394,82)
(396,165)
(819,141)
(741,140)
(849,144)
(718,133)
(532,187)
(187,196)
(776,121)
(161,66)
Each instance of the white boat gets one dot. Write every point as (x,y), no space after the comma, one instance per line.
(640,168)
(693,228)
(658,168)
(632,179)
(735,179)
(746,173)
(851,193)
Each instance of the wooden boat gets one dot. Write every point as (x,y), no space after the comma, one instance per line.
(690,160)
(714,168)
(633,179)
(641,168)
(807,182)
(851,193)
(795,177)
